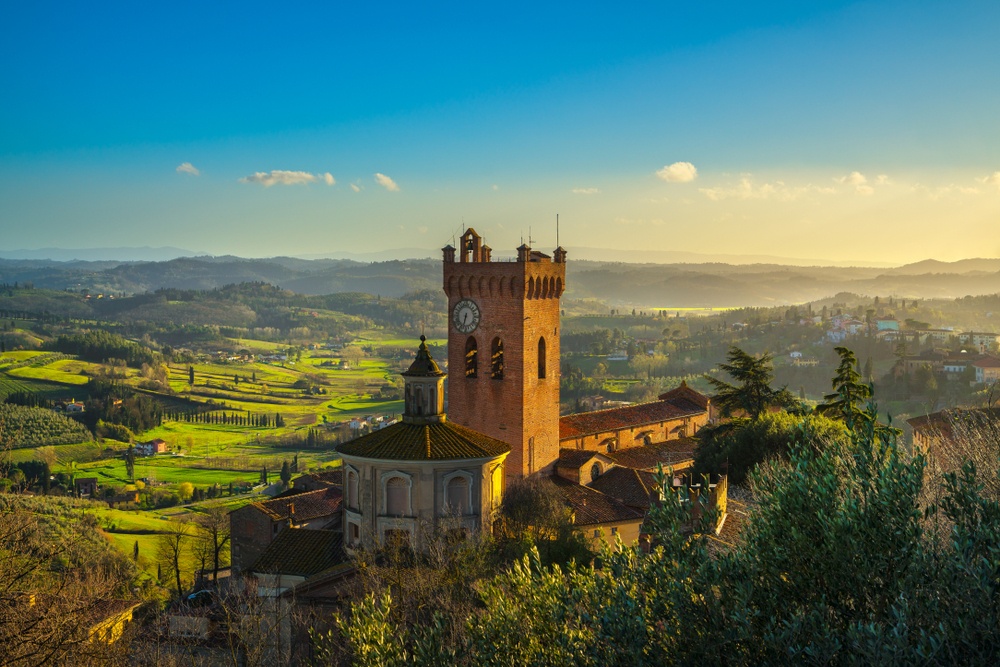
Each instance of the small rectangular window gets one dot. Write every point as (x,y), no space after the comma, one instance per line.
(614,531)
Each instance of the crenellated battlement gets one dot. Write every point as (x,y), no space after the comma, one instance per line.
(474,273)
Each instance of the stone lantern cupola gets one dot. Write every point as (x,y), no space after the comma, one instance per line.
(424,389)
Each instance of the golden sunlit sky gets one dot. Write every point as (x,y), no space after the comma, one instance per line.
(838,131)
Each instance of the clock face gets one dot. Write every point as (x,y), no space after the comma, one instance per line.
(465,316)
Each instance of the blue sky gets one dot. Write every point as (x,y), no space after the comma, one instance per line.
(835,130)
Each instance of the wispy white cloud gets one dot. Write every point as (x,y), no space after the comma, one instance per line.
(495,187)
(585,191)
(355,187)
(187,168)
(386,182)
(853,178)
(939,192)
(748,189)
(329,179)
(279,177)
(992,179)
(678,172)
(422,229)
(860,182)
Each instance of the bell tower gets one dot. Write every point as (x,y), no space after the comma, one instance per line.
(503,348)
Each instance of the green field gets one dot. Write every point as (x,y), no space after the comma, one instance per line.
(64,371)
(8,358)
(82,452)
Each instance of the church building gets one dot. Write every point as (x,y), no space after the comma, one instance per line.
(422,474)
(432,471)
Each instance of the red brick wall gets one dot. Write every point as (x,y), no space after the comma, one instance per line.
(251,531)
(626,437)
(519,302)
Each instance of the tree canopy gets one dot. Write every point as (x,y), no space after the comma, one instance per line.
(751,394)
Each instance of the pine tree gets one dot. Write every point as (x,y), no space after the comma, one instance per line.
(130,463)
(850,395)
(752,394)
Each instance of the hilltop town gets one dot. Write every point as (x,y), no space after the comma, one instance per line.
(235,472)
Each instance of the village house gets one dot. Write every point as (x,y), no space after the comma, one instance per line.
(253,527)
(987,370)
(109,619)
(983,342)
(151,448)
(86,487)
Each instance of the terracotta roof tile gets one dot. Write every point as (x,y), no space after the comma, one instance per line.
(306,506)
(942,424)
(301,552)
(425,442)
(333,477)
(686,393)
(630,416)
(672,453)
(635,488)
(591,507)
(737,516)
(576,458)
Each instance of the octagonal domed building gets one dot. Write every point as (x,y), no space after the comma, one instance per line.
(422,473)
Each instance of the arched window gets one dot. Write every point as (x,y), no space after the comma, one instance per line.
(496,359)
(457,495)
(396,501)
(418,400)
(471,357)
(595,471)
(352,490)
(541,358)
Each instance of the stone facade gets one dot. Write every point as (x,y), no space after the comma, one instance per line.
(518,303)
(415,497)
(422,474)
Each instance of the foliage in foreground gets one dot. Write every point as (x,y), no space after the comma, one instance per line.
(56,575)
(837,566)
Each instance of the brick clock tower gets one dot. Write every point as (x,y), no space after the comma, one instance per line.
(503,349)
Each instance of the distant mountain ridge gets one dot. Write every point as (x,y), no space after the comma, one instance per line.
(133,254)
(706,284)
(930,266)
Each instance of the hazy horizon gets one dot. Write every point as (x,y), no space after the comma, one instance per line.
(839,133)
